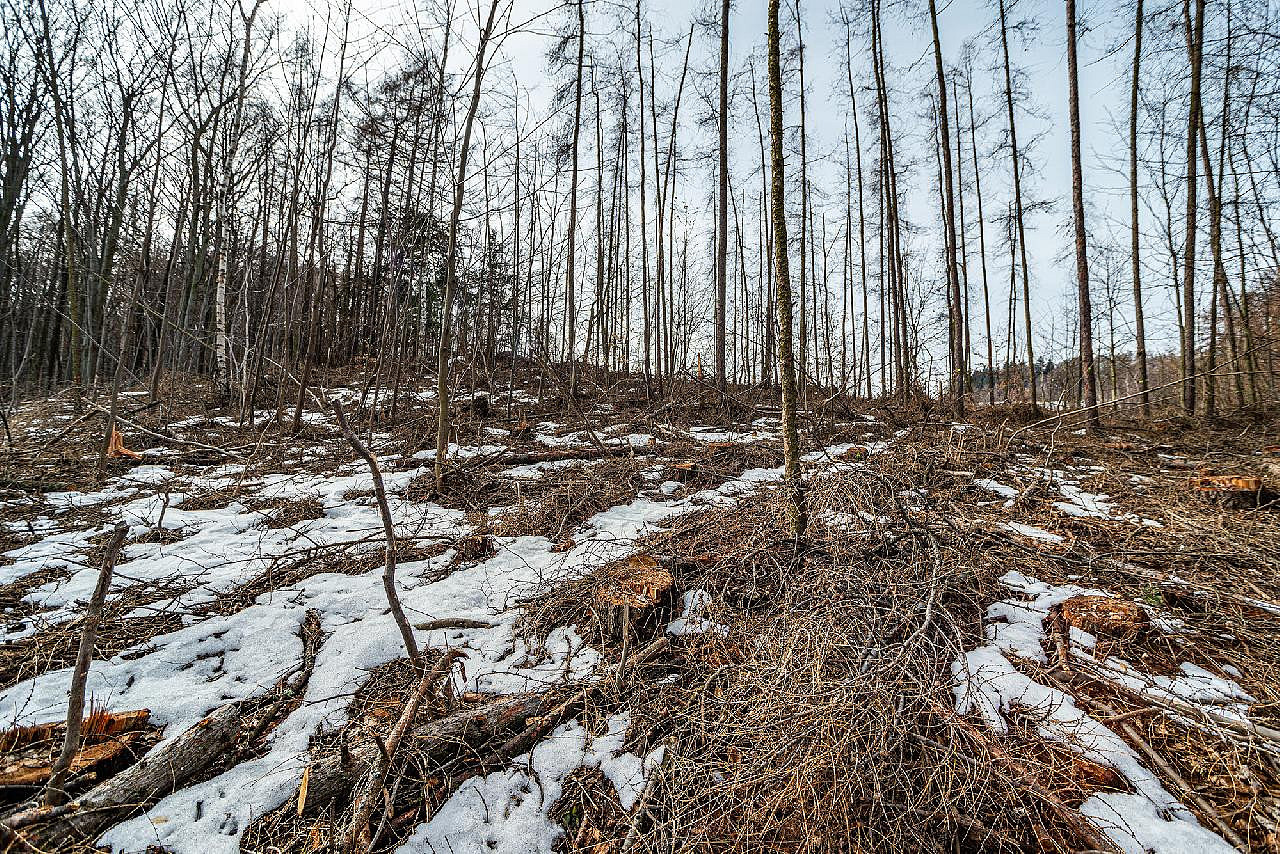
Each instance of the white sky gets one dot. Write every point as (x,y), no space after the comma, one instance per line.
(1105,54)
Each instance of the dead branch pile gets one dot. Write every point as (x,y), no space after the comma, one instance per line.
(813,711)
(575,494)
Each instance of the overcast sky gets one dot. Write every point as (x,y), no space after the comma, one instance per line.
(1105,54)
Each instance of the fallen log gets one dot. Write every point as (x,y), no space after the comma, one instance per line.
(357,835)
(188,757)
(336,775)
(153,777)
(533,715)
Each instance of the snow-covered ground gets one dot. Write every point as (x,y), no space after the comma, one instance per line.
(988,684)
(216,658)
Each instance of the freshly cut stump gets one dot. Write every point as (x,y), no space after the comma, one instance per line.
(640,584)
(1105,616)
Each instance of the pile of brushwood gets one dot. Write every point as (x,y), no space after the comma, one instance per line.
(815,709)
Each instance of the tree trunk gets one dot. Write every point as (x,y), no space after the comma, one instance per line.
(1144,382)
(570,312)
(1018,212)
(955,330)
(451,263)
(1195,43)
(1087,367)
(722,228)
(790,436)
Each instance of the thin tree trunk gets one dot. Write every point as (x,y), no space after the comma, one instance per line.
(451,263)
(722,228)
(1195,42)
(955,332)
(1087,367)
(790,435)
(570,311)
(1018,211)
(1144,382)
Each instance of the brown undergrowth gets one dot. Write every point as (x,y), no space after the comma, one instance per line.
(820,719)
(815,711)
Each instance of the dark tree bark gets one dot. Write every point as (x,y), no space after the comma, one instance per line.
(1140,329)
(1018,208)
(956,328)
(722,227)
(1087,368)
(1195,43)
(786,357)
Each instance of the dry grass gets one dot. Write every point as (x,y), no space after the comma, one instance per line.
(54,646)
(565,498)
(821,720)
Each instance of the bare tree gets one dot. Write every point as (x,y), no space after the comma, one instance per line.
(1087,369)
(1195,47)
(722,199)
(1140,330)
(782,275)
(451,262)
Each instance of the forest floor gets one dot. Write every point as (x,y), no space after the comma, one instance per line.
(994,638)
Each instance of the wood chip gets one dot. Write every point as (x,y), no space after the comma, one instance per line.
(302,789)
(116,448)
(33,772)
(97,725)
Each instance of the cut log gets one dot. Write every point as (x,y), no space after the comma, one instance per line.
(104,737)
(1226,483)
(36,772)
(154,776)
(189,756)
(452,623)
(334,776)
(529,716)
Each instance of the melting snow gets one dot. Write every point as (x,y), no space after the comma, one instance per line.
(987,684)
(507,811)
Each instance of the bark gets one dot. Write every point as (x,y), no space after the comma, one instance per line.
(1018,210)
(1087,367)
(786,358)
(389,530)
(571,324)
(1195,42)
(1140,332)
(722,226)
(54,793)
(451,263)
(956,328)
